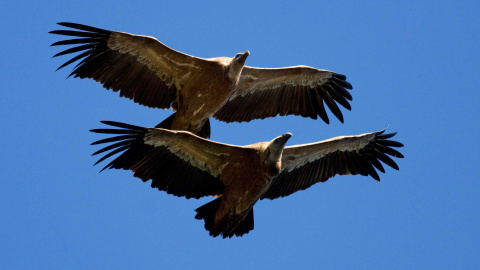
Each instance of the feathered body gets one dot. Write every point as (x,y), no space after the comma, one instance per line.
(143,69)
(186,165)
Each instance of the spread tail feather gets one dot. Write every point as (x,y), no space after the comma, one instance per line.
(231,225)
(167,123)
(204,131)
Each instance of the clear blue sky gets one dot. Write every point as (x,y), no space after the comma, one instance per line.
(414,66)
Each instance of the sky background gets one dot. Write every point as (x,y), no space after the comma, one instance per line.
(414,66)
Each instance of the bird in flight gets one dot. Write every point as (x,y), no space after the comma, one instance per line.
(186,165)
(143,69)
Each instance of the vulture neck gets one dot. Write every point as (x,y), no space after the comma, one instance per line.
(236,65)
(273,154)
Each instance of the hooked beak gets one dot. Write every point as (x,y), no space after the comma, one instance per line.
(276,146)
(280,141)
(244,56)
(287,135)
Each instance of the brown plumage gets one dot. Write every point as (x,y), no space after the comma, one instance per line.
(145,70)
(187,165)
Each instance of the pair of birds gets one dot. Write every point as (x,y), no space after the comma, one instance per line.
(176,154)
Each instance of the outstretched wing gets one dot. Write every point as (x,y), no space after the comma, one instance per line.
(305,165)
(177,162)
(140,67)
(300,90)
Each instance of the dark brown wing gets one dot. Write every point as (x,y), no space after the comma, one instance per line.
(299,90)
(305,165)
(177,162)
(140,67)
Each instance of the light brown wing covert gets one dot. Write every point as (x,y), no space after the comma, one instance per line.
(305,165)
(299,90)
(139,67)
(177,162)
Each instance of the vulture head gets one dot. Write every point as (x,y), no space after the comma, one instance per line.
(273,154)
(236,65)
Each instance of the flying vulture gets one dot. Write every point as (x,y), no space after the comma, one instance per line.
(145,70)
(187,165)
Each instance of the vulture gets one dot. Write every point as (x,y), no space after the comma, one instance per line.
(145,70)
(187,165)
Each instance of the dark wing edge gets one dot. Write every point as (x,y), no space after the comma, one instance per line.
(167,171)
(363,162)
(114,70)
(287,99)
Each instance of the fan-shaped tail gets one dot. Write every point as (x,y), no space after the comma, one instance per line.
(231,225)
(204,131)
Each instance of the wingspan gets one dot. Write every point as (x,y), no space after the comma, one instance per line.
(305,165)
(299,90)
(140,67)
(177,162)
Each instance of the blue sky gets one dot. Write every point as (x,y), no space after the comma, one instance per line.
(414,67)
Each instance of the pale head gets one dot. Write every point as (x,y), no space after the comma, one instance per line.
(273,158)
(236,65)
